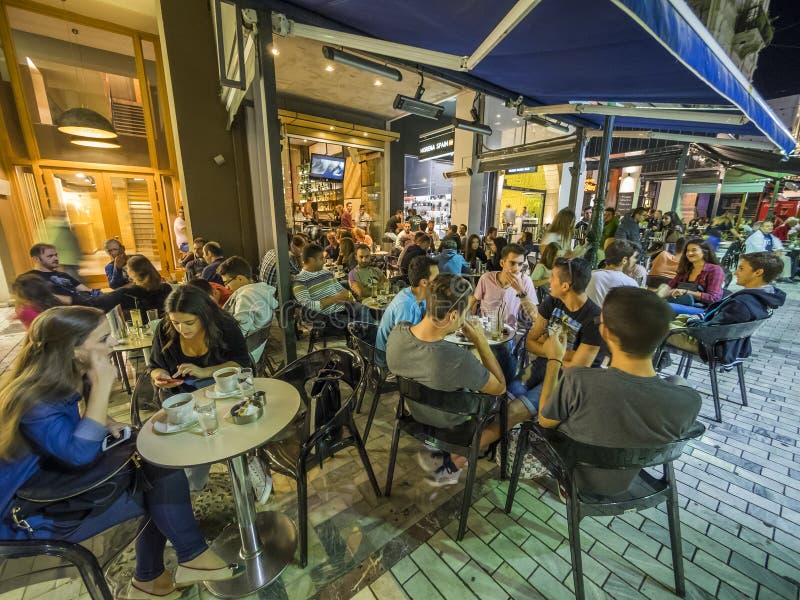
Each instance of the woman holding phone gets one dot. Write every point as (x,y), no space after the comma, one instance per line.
(195,339)
(63,365)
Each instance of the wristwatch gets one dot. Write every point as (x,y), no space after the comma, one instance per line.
(522,295)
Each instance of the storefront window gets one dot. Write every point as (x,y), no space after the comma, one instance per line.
(68,65)
(428,191)
(159,125)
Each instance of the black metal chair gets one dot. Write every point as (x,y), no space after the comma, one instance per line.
(464,440)
(92,558)
(144,397)
(308,444)
(565,456)
(254,340)
(321,328)
(709,337)
(362,338)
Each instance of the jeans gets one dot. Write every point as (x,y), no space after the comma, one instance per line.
(685,309)
(171,518)
(506,359)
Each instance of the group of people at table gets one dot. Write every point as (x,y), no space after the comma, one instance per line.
(54,399)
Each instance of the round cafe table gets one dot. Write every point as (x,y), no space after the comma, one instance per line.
(265,541)
(378,307)
(129,344)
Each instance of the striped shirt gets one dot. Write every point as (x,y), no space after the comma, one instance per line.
(312,287)
(268,270)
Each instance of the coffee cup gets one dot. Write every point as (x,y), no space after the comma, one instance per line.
(179,409)
(227,379)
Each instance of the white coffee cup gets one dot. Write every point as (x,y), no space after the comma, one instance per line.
(179,408)
(227,379)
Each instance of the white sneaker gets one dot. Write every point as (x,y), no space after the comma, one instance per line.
(430,461)
(446,474)
(260,480)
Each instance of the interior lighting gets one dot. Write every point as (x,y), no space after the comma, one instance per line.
(85,123)
(94,142)
(351,60)
(275,51)
(80,175)
(329,68)
(378,83)
(331,128)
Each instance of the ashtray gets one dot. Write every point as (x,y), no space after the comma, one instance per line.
(246,412)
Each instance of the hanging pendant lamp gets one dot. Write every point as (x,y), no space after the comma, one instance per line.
(86,123)
(94,142)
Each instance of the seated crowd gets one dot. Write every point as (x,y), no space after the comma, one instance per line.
(590,335)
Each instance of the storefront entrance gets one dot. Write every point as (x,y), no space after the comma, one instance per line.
(104,205)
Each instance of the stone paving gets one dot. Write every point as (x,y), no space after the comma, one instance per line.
(740,512)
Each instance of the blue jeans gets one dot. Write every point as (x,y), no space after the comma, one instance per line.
(685,309)
(170,510)
(506,359)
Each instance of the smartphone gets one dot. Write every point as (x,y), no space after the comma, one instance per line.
(169,380)
(110,441)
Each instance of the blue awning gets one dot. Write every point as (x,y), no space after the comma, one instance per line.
(565,51)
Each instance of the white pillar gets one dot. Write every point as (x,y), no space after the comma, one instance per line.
(467,195)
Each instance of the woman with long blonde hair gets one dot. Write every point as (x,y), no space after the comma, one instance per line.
(560,232)
(64,365)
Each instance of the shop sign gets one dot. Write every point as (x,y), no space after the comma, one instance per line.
(436,144)
(521,170)
(624,203)
(590,185)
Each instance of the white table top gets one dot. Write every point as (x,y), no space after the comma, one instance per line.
(509,333)
(191,448)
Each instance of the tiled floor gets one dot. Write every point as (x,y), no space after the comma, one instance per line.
(740,514)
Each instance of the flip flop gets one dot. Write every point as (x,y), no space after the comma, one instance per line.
(188,575)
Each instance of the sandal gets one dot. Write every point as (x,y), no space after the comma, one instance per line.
(185,576)
(131,592)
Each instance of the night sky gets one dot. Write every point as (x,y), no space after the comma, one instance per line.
(778,70)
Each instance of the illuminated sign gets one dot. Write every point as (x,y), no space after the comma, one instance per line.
(522,170)
(590,185)
(437,144)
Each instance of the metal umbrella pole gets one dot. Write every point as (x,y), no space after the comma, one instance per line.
(596,229)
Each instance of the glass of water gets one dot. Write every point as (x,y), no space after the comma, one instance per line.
(206,409)
(246,384)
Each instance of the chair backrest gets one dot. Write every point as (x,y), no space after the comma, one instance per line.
(587,455)
(460,402)
(710,334)
(144,398)
(363,336)
(257,338)
(304,371)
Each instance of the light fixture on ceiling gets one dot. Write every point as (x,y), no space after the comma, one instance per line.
(275,51)
(473,126)
(87,123)
(84,122)
(80,175)
(416,105)
(94,142)
(331,127)
(329,68)
(547,123)
(378,83)
(351,60)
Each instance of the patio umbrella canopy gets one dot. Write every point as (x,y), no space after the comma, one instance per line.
(567,51)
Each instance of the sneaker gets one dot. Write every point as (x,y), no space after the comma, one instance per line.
(430,461)
(446,474)
(260,479)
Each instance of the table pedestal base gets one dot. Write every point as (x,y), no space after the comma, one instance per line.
(278,538)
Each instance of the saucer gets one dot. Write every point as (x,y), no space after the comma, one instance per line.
(160,425)
(211,392)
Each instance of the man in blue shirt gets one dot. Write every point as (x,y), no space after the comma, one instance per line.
(408,304)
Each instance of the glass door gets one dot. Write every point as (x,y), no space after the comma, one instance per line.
(98,206)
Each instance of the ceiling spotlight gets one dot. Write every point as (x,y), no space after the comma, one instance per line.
(472,126)
(80,175)
(378,83)
(94,143)
(329,68)
(85,123)
(275,51)
(331,128)
(547,123)
(366,134)
(351,60)
(418,107)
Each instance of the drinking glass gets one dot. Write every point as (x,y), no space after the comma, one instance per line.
(136,321)
(246,381)
(152,315)
(206,409)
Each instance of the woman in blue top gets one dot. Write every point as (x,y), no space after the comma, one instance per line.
(66,350)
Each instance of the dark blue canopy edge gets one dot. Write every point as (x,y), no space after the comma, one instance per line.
(635,51)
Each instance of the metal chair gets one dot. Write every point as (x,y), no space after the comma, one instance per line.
(144,397)
(362,338)
(310,443)
(709,338)
(322,327)
(254,340)
(565,456)
(479,409)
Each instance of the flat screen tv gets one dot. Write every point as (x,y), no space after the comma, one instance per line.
(327,167)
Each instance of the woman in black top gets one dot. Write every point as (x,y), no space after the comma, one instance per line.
(474,252)
(195,339)
(494,263)
(146,291)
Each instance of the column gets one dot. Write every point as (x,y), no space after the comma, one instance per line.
(467,195)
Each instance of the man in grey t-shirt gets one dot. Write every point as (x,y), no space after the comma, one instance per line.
(627,405)
(419,352)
